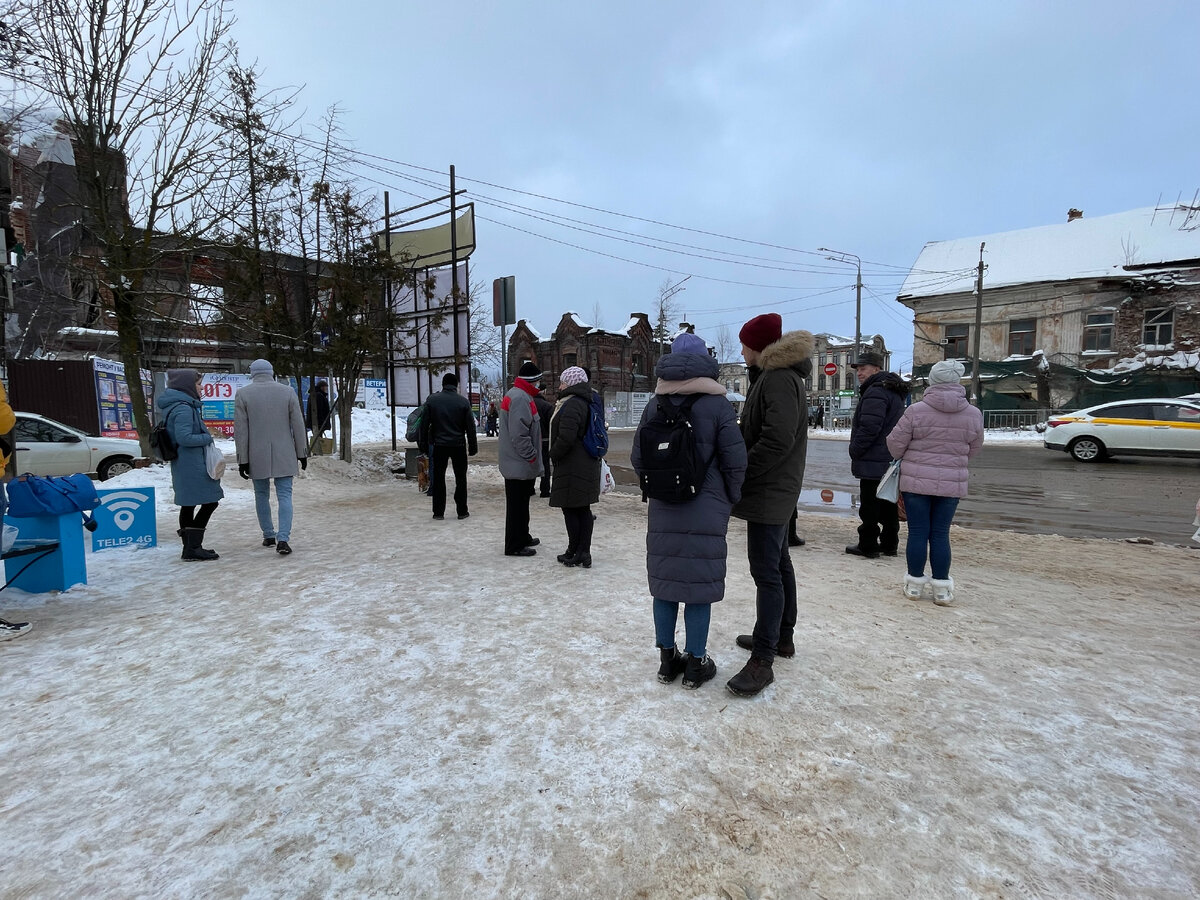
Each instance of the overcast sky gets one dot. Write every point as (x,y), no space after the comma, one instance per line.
(868,127)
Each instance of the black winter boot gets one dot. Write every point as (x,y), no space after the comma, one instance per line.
(673,663)
(192,550)
(755,676)
(699,670)
(579,559)
(785,648)
(183,541)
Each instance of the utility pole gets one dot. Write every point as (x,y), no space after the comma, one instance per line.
(978,328)
(842,258)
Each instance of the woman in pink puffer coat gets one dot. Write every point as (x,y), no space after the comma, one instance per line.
(934,439)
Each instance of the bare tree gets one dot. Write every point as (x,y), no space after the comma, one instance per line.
(133,82)
(597,315)
(486,357)
(666,311)
(728,346)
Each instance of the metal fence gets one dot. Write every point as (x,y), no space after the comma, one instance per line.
(1014,419)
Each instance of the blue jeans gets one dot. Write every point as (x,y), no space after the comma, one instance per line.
(929,521)
(262,505)
(775,579)
(696,617)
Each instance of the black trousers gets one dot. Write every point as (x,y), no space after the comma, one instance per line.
(578,520)
(880,528)
(437,480)
(196,516)
(516,513)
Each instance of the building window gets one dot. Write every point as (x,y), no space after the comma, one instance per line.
(956,341)
(1158,327)
(849,380)
(1098,332)
(1021,335)
(821,382)
(569,360)
(638,364)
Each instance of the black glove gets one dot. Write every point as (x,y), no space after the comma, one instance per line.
(304,463)
(244,470)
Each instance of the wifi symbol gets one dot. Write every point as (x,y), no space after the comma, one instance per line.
(124,504)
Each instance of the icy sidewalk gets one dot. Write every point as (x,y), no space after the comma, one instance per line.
(397,708)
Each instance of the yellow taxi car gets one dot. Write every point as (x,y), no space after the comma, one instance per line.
(1148,427)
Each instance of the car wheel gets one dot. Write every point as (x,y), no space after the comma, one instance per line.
(1086,449)
(117,465)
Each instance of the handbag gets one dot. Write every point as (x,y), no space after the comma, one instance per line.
(889,484)
(215,461)
(33,495)
(607,482)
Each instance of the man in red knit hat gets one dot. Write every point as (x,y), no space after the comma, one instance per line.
(776,444)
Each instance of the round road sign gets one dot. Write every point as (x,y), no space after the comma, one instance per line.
(830,368)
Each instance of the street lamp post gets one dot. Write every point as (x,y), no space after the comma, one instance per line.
(844,257)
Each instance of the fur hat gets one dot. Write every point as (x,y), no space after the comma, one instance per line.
(761,331)
(689,343)
(529,372)
(868,358)
(262,367)
(573,376)
(948,371)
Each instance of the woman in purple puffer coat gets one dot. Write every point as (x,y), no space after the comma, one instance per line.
(934,439)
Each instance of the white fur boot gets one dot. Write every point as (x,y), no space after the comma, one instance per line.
(943,591)
(915,586)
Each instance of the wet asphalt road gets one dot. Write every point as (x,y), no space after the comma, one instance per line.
(1014,487)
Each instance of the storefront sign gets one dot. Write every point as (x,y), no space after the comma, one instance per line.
(113,400)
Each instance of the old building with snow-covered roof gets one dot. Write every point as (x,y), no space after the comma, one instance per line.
(621,360)
(1087,292)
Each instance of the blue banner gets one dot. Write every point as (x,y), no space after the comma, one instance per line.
(125,518)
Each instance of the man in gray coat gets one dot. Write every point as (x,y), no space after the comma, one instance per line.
(519,450)
(268,431)
(775,427)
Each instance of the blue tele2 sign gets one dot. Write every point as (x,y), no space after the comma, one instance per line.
(125,518)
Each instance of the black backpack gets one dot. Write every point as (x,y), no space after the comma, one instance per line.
(162,443)
(671,468)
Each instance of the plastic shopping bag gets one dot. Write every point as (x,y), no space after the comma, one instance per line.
(607,482)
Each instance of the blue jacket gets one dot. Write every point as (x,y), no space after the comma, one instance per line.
(685,542)
(189,473)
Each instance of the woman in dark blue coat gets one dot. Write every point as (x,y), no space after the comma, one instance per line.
(685,542)
(196,494)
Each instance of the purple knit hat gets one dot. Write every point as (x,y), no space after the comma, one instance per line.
(573,376)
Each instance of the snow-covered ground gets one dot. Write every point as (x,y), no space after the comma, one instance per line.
(399,709)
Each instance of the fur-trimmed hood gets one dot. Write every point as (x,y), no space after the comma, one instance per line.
(792,351)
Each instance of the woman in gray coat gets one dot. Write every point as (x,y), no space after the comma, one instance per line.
(196,494)
(685,543)
(575,479)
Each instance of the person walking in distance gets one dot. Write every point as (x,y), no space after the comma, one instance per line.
(686,550)
(519,450)
(933,440)
(317,417)
(268,432)
(775,428)
(576,482)
(196,493)
(449,428)
(879,409)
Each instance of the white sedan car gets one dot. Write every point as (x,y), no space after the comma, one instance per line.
(1152,427)
(47,447)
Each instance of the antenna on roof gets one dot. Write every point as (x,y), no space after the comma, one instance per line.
(1157,204)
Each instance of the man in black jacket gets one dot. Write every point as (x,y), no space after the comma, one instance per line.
(879,409)
(775,428)
(317,418)
(447,420)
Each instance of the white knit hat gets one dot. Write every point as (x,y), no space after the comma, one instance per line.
(948,371)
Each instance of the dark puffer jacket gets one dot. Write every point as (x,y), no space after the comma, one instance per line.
(685,542)
(775,427)
(881,406)
(575,478)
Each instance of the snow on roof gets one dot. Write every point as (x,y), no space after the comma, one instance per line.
(1084,248)
(59,151)
(838,340)
(578,321)
(628,326)
(536,334)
